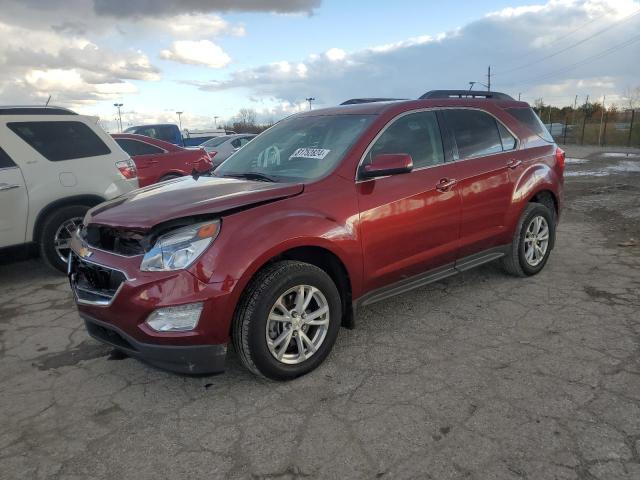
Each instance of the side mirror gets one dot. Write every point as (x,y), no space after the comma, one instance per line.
(387,164)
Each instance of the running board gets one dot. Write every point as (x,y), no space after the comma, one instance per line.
(431,276)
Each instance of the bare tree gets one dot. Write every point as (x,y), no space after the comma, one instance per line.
(247,116)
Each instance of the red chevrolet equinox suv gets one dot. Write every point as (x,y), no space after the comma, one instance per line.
(327,211)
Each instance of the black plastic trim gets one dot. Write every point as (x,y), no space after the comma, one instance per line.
(190,360)
(431,276)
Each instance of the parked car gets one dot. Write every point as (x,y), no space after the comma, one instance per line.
(172,134)
(54,166)
(327,211)
(221,148)
(158,161)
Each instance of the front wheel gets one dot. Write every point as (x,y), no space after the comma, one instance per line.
(287,320)
(532,242)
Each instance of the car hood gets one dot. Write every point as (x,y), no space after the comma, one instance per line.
(143,208)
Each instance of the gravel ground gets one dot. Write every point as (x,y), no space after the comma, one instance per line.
(480,376)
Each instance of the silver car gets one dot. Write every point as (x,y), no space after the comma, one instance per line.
(221,148)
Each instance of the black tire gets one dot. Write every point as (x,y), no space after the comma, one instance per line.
(250,320)
(48,230)
(514,262)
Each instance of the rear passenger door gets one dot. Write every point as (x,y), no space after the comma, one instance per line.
(408,222)
(484,152)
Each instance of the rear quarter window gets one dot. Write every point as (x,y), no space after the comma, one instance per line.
(58,141)
(530,119)
(135,148)
(5,160)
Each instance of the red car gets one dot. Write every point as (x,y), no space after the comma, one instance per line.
(327,211)
(157,160)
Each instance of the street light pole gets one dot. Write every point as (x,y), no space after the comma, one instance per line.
(215,121)
(310,99)
(180,119)
(118,105)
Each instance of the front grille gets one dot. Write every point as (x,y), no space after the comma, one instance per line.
(93,283)
(122,242)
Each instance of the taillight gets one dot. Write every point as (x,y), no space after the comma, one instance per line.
(560,155)
(127,169)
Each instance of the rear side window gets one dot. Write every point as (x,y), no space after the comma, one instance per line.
(134,148)
(475,132)
(57,141)
(417,134)
(5,160)
(530,119)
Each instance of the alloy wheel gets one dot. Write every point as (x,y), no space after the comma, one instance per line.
(62,237)
(297,325)
(536,240)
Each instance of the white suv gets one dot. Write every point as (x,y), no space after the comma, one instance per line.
(54,166)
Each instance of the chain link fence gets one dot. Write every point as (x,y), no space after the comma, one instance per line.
(581,127)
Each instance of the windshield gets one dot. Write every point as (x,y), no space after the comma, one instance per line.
(214,142)
(297,149)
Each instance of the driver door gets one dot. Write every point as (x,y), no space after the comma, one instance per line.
(409,223)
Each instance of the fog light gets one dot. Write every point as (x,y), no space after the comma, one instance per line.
(181,318)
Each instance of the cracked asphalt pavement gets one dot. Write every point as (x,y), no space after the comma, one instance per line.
(481,376)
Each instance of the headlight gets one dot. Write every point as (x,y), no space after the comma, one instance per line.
(180,248)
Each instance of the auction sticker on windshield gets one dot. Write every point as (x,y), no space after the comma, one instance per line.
(315,153)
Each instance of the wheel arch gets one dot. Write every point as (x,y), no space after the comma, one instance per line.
(88,200)
(324,259)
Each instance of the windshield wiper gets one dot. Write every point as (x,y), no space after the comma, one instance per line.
(250,176)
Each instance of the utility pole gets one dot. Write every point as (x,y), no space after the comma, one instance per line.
(118,106)
(575,106)
(601,119)
(215,121)
(519,94)
(489,79)
(180,119)
(310,99)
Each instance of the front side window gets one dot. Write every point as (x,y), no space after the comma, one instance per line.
(475,132)
(5,160)
(300,148)
(57,141)
(134,147)
(416,134)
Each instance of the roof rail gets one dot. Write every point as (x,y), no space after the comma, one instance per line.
(34,110)
(465,94)
(356,101)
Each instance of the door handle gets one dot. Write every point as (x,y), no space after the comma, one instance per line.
(512,164)
(446,184)
(7,186)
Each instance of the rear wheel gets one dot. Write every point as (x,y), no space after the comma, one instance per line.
(287,320)
(56,232)
(532,242)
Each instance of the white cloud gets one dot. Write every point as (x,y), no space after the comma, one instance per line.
(197,26)
(335,54)
(198,52)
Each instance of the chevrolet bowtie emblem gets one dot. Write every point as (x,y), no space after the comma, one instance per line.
(85,252)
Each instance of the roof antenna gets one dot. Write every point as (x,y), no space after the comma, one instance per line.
(48,100)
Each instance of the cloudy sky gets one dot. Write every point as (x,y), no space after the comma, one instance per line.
(212,57)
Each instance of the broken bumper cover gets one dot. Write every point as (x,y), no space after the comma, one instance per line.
(185,359)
